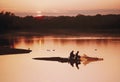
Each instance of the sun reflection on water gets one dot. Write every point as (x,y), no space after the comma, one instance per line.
(23,66)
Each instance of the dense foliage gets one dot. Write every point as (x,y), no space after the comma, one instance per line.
(61,24)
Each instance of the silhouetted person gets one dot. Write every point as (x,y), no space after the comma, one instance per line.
(72,55)
(71,58)
(77,59)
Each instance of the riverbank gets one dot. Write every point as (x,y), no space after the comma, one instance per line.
(11,51)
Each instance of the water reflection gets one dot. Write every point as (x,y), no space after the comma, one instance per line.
(86,59)
(6,42)
(63,41)
(49,60)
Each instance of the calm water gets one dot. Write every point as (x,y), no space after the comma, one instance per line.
(22,68)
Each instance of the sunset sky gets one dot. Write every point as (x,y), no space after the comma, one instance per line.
(47,7)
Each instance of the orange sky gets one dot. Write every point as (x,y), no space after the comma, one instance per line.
(57,5)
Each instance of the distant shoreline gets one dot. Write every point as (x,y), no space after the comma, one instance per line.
(31,34)
(79,25)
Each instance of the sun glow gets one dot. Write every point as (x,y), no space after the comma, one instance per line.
(39,13)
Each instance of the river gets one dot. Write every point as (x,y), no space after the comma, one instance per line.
(23,68)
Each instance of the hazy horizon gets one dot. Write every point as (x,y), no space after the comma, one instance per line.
(57,7)
(69,12)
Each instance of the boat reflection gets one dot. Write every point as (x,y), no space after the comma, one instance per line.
(84,59)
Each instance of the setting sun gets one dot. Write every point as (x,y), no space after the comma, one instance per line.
(39,13)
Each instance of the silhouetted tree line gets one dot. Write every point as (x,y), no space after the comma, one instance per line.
(60,24)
